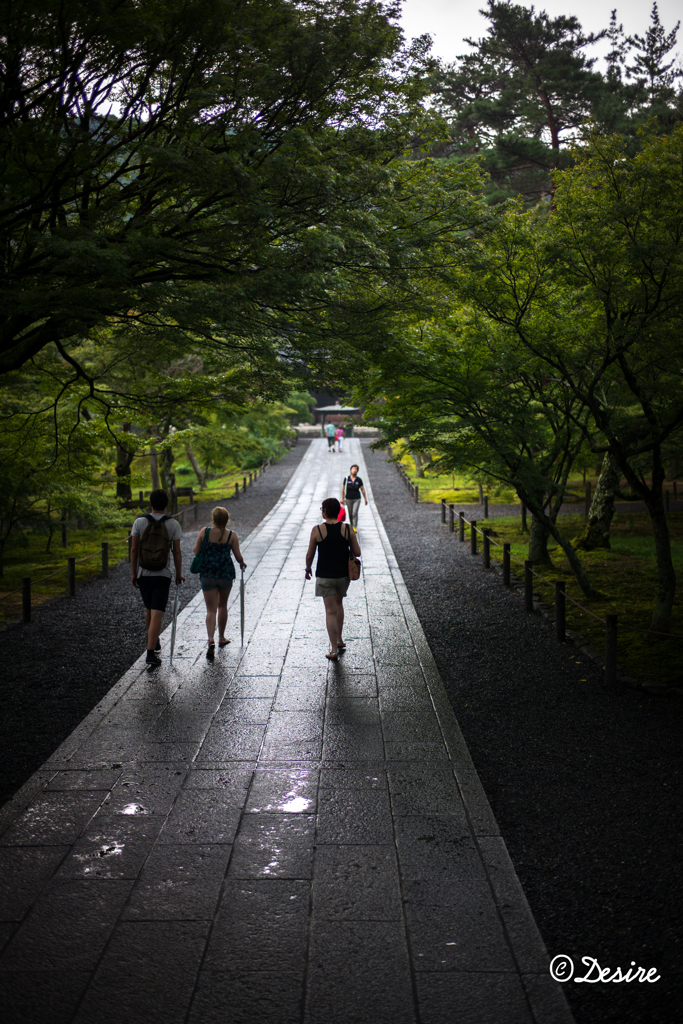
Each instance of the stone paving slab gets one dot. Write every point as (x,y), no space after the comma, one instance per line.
(269,837)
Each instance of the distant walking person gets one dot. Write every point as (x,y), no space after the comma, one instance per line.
(217,573)
(352,488)
(155,538)
(331,432)
(340,438)
(334,541)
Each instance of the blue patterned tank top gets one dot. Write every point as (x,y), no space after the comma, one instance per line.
(217,561)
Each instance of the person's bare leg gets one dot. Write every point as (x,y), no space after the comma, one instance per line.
(223,596)
(153,618)
(340,620)
(331,621)
(211,598)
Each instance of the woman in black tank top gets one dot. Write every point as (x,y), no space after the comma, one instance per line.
(334,542)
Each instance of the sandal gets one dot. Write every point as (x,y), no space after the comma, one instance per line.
(341,646)
(223,643)
(332,657)
(211,650)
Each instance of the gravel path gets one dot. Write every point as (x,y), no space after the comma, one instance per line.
(585,781)
(58,666)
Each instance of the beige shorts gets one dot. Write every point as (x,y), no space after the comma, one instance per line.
(328,588)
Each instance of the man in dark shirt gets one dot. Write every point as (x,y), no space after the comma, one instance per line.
(352,488)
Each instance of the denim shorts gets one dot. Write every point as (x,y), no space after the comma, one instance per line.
(211,583)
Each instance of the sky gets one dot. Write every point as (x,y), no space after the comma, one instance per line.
(449,21)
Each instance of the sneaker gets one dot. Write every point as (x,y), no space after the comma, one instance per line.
(153,658)
(158,646)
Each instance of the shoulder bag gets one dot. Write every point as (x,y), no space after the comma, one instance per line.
(197,560)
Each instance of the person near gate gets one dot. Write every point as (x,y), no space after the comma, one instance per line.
(155,539)
(340,437)
(352,488)
(217,573)
(331,432)
(335,542)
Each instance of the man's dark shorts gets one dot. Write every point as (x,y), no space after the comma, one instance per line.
(154,591)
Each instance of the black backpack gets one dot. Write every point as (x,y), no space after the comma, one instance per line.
(155,545)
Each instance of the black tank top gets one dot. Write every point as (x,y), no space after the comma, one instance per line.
(333,553)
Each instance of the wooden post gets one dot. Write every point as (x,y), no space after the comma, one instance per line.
(26,598)
(487,549)
(141,498)
(71,576)
(560,612)
(611,648)
(451,519)
(461,527)
(506,565)
(417,494)
(237,490)
(528,587)
(486,506)
(473,537)
(588,499)
(105,558)
(244,484)
(443,510)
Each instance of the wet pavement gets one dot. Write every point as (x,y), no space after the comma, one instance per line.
(271,838)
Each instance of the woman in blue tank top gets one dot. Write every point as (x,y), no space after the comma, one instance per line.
(217,573)
(333,541)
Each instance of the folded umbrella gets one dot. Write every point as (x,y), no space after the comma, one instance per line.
(242,606)
(176,609)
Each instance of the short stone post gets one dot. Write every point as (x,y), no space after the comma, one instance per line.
(588,499)
(443,510)
(26,598)
(473,537)
(528,586)
(237,490)
(487,549)
(486,506)
(451,519)
(560,612)
(71,576)
(105,558)
(506,565)
(611,648)
(244,485)
(461,527)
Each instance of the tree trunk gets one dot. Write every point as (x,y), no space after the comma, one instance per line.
(419,471)
(538,543)
(426,458)
(666,591)
(154,469)
(481,492)
(168,479)
(195,465)
(596,534)
(580,573)
(123,461)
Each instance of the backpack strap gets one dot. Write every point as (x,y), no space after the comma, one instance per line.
(321,535)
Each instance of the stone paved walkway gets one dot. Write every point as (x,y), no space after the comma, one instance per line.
(270,838)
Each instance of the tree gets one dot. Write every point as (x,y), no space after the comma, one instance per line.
(196,170)
(652,73)
(521,94)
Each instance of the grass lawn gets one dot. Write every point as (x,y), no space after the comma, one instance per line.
(27,556)
(626,575)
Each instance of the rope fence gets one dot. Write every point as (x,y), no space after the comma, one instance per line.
(610,621)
